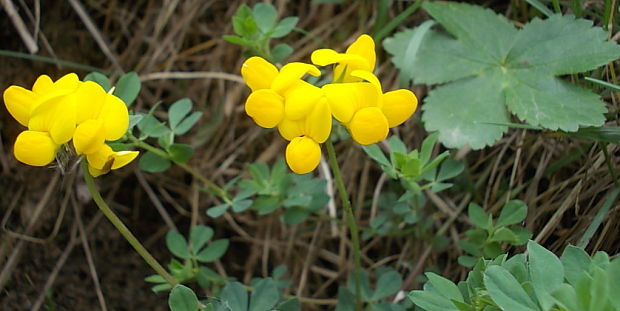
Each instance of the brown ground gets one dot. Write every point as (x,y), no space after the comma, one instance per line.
(159,36)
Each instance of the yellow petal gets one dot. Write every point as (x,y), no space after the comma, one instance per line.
(364,46)
(290,129)
(303,155)
(19,102)
(89,137)
(43,84)
(122,158)
(398,106)
(370,77)
(104,160)
(300,99)
(319,122)
(290,74)
(56,116)
(368,126)
(35,148)
(95,172)
(347,98)
(101,159)
(69,81)
(266,107)
(324,57)
(89,100)
(115,117)
(258,73)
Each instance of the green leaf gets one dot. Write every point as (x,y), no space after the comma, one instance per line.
(214,251)
(153,163)
(513,212)
(428,144)
(477,216)
(481,29)
(100,79)
(217,211)
(200,235)
(505,291)
(280,52)
(545,101)
(444,111)
(492,68)
(151,127)
(614,286)
(243,21)
(284,27)
(177,244)
(522,235)
(187,123)
(562,44)
(237,40)
(576,263)
(375,153)
(289,305)
(546,273)
(180,153)
(346,300)
(566,297)
(241,205)
(128,87)
(178,110)
(449,169)
(504,234)
(431,301)
(444,287)
(264,296)
(387,284)
(264,16)
(182,298)
(404,46)
(235,295)
(155,278)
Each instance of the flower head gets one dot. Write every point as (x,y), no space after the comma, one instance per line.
(280,98)
(302,112)
(56,112)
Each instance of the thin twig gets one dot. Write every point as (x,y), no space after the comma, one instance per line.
(29,41)
(94,31)
(191,75)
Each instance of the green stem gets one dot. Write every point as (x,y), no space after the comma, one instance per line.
(209,184)
(346,203)
(120,226)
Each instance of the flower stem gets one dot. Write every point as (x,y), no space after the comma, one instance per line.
(346,203)
(209,184)
(120,226)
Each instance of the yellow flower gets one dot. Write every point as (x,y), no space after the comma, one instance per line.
(280,98)
(360,55)
(274,90)
(56,112)
(365,110)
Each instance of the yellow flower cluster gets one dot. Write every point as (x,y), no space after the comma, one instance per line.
(302,112)
(57,112)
